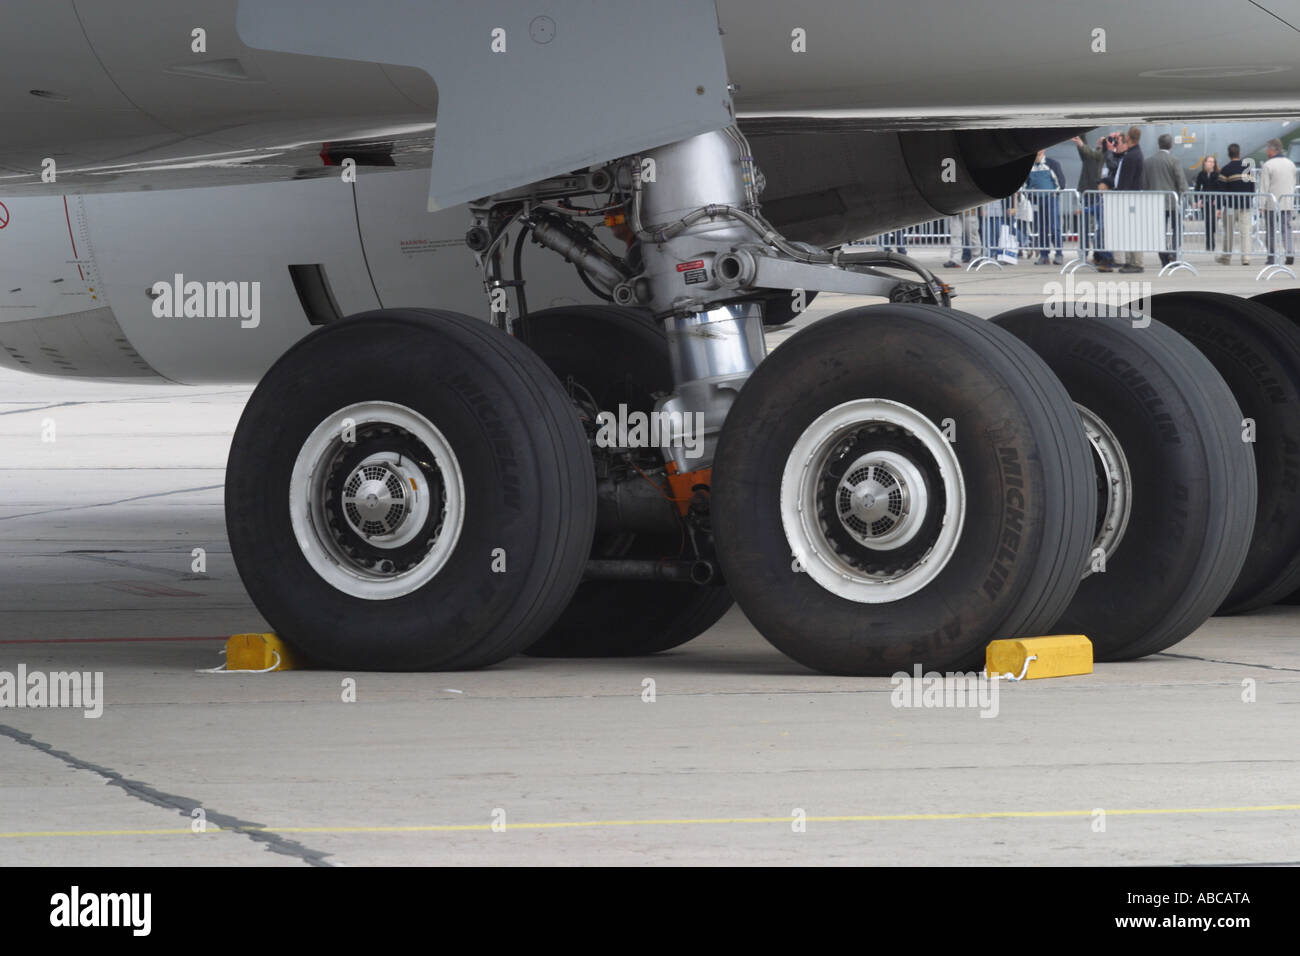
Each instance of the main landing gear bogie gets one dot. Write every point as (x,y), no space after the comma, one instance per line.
(894,485)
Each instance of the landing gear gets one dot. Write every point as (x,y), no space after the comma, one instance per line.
(1258,354)
(609,357)
(1175,483)
(410,489)
(900,485)
(894,486)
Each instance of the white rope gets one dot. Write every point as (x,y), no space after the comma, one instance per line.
(223,669)
(1009,676)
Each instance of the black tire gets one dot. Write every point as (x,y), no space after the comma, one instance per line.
(527,480)
(1286,302)
(620,356)
(1258,354)
(1022,547)
(1192,479)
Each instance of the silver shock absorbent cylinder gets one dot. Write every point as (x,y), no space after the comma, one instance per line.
(712,354)
(712,351)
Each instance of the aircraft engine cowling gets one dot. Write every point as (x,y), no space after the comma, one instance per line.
(839,185)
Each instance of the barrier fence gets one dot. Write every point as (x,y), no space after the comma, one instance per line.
(1098,228)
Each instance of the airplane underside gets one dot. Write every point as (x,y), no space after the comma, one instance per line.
(418,483)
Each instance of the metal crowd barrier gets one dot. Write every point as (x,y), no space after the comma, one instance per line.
(1134,222)
(1042,222)
(1078,226)
(1225,224)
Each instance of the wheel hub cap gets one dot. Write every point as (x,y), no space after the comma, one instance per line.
(374,500)
(881,500)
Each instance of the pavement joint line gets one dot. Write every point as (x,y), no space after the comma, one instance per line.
(1215,660)
(82,469)
(160,399)
(106,640)
(684,821)
(109,504)
(269,839)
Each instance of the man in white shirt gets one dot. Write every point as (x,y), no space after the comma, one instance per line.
(1277,182)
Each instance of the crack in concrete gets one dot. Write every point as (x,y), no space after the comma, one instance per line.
(184,805)
(1215,660)
(109,504)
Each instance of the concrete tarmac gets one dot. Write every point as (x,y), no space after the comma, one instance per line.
(1191,756)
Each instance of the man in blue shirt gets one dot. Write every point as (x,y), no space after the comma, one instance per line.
(1046,178)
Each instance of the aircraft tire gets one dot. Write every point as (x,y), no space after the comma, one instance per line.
(1286,302)
(1258,354)
(619,356)
(439,491)
(1176,485)
(990,528)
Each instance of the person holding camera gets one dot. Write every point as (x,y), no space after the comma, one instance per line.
(1128,174)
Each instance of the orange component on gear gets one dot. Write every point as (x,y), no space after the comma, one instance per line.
(684,484)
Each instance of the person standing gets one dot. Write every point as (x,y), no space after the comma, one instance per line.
(1090,160)
(1128,175)
(1022,213)
(1046,179)
(1235,179)
(1165,174)
(963,232)
(992,215)
(1207,181)
(1277,178)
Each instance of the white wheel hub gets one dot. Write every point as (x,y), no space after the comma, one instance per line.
(872,500)
(377,500)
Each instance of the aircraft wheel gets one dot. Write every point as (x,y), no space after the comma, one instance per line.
(409,489)
(607,356)
(1176,485)
(1286,302)
(900,485)
(1258,354)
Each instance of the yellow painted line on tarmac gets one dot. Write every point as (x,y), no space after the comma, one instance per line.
(683,821)
(19,834)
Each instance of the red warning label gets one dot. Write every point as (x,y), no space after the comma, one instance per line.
(693,273)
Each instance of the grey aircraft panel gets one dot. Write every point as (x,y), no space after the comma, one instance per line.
(519,85)
(132,107)
(936,64)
